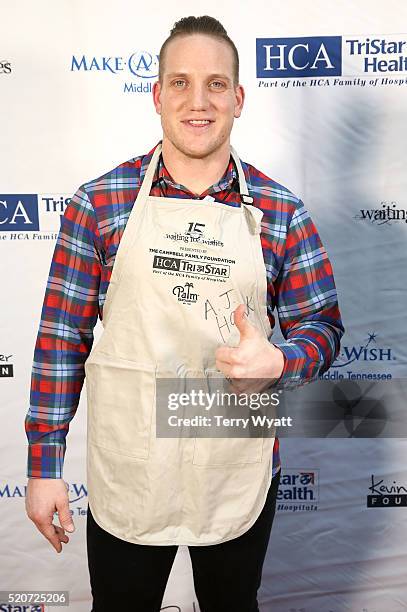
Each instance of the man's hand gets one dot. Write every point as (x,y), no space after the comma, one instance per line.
(254,358)
(44,497)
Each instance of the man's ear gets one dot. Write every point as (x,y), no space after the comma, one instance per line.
(240,96)
(157,96)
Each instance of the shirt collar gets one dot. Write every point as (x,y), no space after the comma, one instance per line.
(162,173)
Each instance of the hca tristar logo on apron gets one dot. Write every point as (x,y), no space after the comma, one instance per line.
(168,307)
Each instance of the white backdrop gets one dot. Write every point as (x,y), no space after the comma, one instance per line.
(337,142)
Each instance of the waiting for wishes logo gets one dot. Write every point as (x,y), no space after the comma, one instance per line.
(388,214)
(330,60)
(195,234)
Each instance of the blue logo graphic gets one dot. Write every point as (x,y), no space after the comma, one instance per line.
(364,352)
(17,608)
(76,491)
(299,490)
(144,65)
(141,64)
(299,57)
(19,212)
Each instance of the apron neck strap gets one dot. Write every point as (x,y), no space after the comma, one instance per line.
(148,178)
(149,175)
(244,192)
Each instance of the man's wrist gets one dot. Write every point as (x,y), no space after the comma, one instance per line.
(291,374)
(282,360)
(274,363)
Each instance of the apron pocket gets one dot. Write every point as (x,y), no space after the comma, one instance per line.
(121,400)
(227,451)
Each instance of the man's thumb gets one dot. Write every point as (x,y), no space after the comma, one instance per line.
(246,329)
(65,517)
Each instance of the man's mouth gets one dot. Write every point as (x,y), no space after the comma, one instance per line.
(198,123)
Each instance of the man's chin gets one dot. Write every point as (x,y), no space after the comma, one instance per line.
(198,150)
(197,147)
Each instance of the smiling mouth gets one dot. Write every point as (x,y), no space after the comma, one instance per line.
(198,122)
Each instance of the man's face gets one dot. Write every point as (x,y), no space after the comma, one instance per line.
(197,99)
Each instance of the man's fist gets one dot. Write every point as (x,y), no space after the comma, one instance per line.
(255,358)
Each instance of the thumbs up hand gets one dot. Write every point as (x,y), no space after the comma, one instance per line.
(255,363)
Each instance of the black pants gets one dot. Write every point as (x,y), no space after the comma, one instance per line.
(133,577)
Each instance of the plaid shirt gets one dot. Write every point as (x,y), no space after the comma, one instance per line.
(300,286)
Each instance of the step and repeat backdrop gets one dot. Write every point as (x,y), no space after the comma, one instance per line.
(326,116)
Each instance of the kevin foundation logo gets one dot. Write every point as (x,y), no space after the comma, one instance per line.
(385,494)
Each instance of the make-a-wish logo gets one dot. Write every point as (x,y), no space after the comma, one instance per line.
(76,491)
(366,352)
(385,495)
(140,64)
(386,215)
(184,294)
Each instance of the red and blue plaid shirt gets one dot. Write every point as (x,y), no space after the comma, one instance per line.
(300,287)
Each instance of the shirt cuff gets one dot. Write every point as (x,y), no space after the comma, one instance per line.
(298,367)
(45,460)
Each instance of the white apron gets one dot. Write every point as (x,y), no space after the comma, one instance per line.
(182,267)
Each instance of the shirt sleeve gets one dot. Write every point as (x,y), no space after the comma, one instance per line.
(65,337)
(307,305)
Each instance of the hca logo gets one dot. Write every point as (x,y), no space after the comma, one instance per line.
(299,57)
(19,212)
(31,212)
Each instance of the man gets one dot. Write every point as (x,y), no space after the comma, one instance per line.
(168,250)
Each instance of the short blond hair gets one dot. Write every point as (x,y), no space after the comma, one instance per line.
(209,26)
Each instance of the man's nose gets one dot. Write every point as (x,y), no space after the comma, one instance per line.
(198,97)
